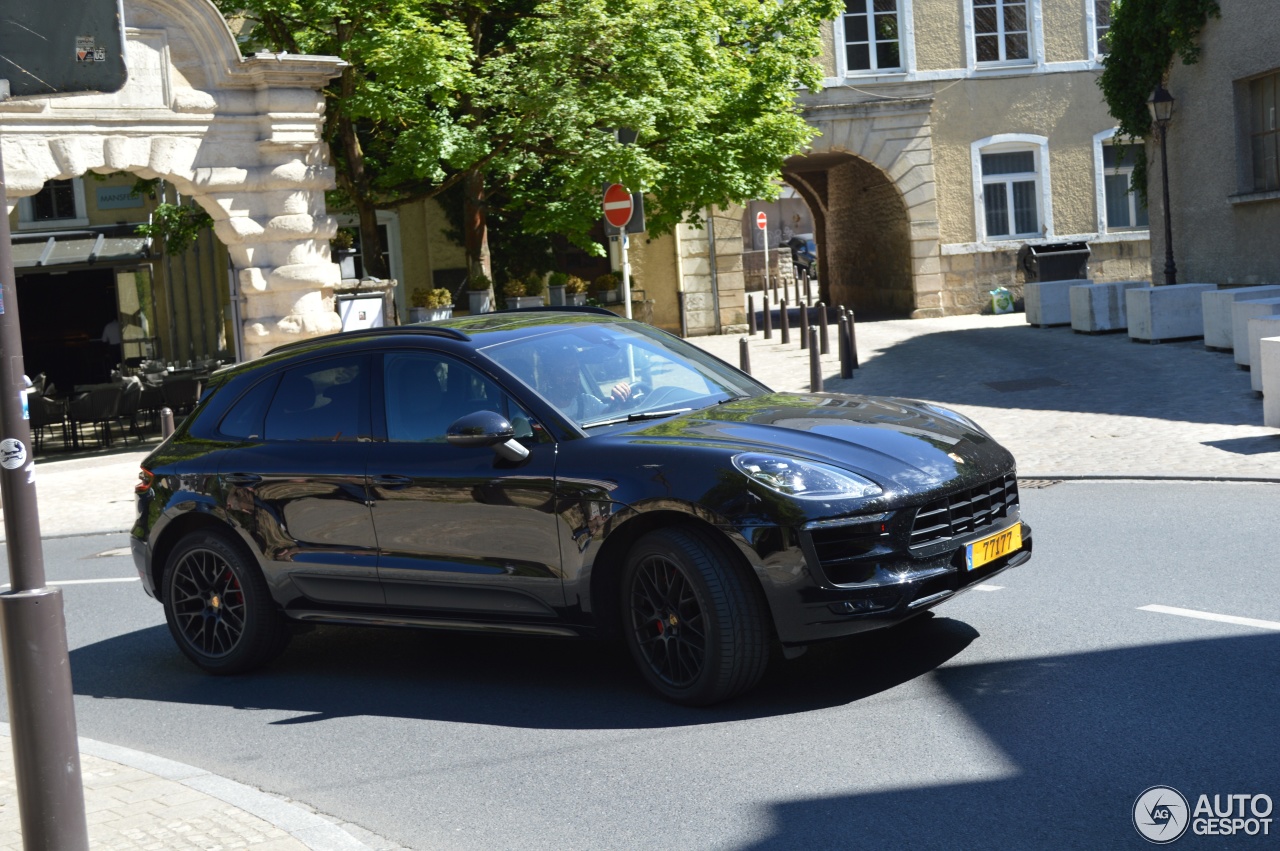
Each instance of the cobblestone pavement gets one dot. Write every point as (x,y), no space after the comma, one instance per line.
(1066,404)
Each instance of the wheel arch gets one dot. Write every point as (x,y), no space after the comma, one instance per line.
(606,569)
(178,529)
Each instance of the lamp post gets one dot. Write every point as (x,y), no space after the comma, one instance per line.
(1161,106)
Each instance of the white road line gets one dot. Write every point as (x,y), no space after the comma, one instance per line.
(986,587)
(1210,616)
(85,581)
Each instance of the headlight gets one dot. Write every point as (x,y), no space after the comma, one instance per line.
(803,479)
(954,416)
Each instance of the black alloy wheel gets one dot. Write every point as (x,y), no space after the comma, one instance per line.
(219,608)
(694,619)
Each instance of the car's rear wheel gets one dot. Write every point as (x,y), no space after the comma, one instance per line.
(694,621)
(219,608)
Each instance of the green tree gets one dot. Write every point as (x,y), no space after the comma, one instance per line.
(523,96)
(1144,37)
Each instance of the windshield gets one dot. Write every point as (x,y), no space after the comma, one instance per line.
(610,372)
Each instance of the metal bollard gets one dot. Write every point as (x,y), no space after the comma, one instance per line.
(815,365)
(842,337)
(744,356)
(853,342)
(751,315)
(786,322)
(808,286)
(804,327)
(824,336)
(166,422)
(768,320)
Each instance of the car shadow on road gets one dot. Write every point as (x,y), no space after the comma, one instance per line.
(1084,735)
(511,681)
(1055,369)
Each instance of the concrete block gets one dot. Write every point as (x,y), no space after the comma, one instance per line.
(1101,307)
(1216,305)
(1158,314)
(1269,366)
(1047,302)
(1260,329)
(1241,313)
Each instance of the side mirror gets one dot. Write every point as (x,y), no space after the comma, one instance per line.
(487,428)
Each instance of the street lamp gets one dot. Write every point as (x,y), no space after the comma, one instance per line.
(1161,106)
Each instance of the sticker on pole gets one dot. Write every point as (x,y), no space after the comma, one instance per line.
(617,205)
(12,453)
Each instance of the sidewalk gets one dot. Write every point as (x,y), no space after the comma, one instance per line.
(1068,406)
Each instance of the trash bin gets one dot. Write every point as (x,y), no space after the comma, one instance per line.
(1057,261)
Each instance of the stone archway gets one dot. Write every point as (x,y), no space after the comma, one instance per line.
(869,183)
(241,136)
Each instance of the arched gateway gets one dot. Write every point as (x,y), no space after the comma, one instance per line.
(241,136)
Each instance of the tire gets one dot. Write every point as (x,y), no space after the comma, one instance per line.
(219,609)
(696,624)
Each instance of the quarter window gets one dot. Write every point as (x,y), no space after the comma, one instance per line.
(1264,99)
(872,41)
(1125,210)
(1000,31)
(1010,193)
(321,401)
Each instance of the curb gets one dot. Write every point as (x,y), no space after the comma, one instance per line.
(302,824)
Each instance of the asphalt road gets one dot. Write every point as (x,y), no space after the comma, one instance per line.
(1030,715)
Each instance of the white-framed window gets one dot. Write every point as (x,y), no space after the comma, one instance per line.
(1119,207)
(58,204)
(874,37)
(1264,132)
(1098,13)
(1002,31)
(1011,187)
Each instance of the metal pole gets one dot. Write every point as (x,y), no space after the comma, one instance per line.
(768,317)
(1170,270)
(766,261)
(853,341)
(744,355)
(822,329)
(166,422)
(786,322)
(751,315)
(626,275)
(842,334)
(815,365)
(804,327)
(37,669)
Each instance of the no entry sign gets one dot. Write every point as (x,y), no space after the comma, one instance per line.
(762,221)
(617,205)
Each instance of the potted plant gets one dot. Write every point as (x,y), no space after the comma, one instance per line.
(430,305)
(605,288)
(518,292)
(480,293)
(343,250)
(556,288)
(575,290)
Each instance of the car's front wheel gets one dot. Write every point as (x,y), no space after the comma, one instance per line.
(695,623)
(219,608)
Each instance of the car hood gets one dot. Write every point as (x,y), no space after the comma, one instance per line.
(894,441)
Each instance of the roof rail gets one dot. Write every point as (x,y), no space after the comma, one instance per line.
(561,308)
(386,331)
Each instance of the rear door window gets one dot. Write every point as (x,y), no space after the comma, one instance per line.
(321,401)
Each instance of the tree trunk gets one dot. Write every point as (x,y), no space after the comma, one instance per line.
(475,225)
(357,179)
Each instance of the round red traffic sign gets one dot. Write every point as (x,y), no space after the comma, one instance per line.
(762,221)
(617,205)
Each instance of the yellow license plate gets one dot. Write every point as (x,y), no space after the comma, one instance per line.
(993,547)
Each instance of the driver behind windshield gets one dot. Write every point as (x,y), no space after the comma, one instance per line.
(563,381)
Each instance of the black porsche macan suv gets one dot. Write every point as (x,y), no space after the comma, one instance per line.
(560,472)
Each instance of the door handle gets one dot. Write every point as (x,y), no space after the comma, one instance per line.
(392,481)
(242,478)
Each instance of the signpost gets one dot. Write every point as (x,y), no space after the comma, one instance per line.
(618,208)
(47,48)
(762,222)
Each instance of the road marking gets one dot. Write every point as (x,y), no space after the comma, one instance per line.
(85,581)
(1210,616)
(986,587)
(120,551)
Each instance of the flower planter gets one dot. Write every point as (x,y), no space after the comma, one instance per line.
(346,260)
(481,301)
(519,301)
(556,296)
(575,299)
(429,314)
(609,296)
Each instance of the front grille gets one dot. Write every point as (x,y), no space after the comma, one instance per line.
(964,512)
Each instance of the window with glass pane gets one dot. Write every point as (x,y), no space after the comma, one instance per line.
(1000,30)
(1124,208)
(1010,187)
(1101,24)
(57,200)
(1263,95)
(871,40)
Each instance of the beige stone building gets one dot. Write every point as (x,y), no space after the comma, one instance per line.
(1224,146)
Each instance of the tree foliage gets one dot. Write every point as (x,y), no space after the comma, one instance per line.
(1144,38)
(517,99)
